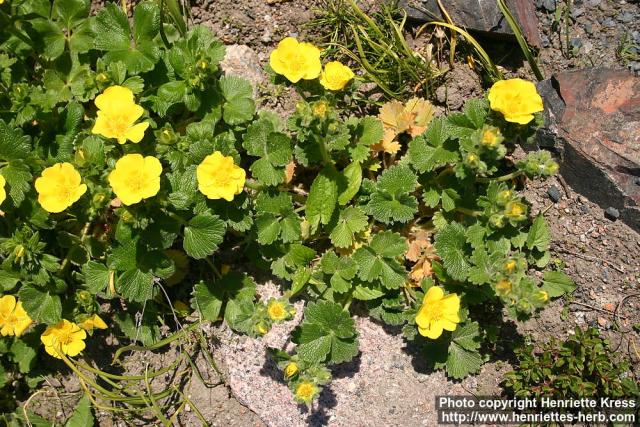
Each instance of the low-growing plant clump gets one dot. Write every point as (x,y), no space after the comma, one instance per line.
(134,172)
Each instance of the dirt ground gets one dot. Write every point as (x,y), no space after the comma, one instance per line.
(599,254)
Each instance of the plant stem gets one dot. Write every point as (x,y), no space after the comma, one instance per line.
(468,212)
(507,177)
(67,261)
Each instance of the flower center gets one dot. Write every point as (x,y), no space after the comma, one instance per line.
(119,124)
(64,337)
(276,311)
(305,391)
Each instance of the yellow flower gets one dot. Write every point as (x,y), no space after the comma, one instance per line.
(515,210)
(491,136)
(219,178)
(290,370)
(306,391)
(438,313)
(135,178)
(510,265)
(320,109)
(542,296)
(296,60)
(13,319)
(336,76)
(117,114)
(93,322)
(504,287)
(59,187)
(63,338)
(277,310)
(3,182)
(516,99)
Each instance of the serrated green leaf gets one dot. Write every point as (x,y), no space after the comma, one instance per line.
(323,197)
(135,285)
(202,235)
(41,304)
(239,106)
(367,293)
(557,283)
(353,175)
(327,334)
(96,276)
(82,414)
(23,354)
(462,362)
(539,237)
(352,220)
(13,144)
(206,301)
(8,280)
(450,245)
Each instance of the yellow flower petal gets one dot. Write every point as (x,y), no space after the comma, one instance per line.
(336,76)
(135,178)
(64,337)
(3,192)
(117,115)
(219,178)
(59,187)
(516,99)
(295,60)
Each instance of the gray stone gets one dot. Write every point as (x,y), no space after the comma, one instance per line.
(241,60)
(554,194)
(612,213)
(609,23)
(548,5)
(577,12)
(626,17)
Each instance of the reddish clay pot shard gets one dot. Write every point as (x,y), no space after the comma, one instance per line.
(596,129)
(478,15)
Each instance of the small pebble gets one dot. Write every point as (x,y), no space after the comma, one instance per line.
(609,23)
(637,181)
(554,194)
(626,17)
(577,12)
(612,213)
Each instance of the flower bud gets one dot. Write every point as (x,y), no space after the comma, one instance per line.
(290,370)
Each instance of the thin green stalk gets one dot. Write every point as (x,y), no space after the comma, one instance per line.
(194,407)
(158,344)
(154,404)
(468,212)
(503,178)
(129,377)
(66,261)
(522,41)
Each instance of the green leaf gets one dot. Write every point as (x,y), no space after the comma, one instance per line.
(450,245)
(392,202)
(367,293)
(377,261)
(82,415)
(202,235)
(24,354)
(323,198)
(353,175)
(239,106)
(136,285)
(352,220)
(41,305)
(370,131)
(433,148)
(96,276)
(539,237)
(8,280)
(13,144)
(208,298)
(557,283)
(327,334)
(138,51)
(207,303)
(273,148)
(462,362)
